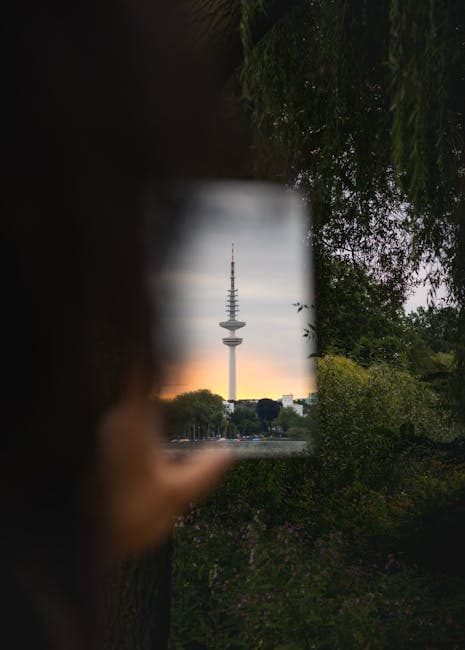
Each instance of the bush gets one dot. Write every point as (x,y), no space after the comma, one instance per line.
(365,415)
(342,547)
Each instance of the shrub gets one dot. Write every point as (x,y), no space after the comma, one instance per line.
(366,414)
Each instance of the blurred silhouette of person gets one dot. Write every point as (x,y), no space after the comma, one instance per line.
(101,100)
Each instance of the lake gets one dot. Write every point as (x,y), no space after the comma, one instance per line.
(242,449)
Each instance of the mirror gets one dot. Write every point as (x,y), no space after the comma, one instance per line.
(237,298)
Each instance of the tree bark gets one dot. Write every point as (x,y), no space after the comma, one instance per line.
(139,606)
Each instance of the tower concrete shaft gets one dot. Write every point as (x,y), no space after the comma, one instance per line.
(232,324)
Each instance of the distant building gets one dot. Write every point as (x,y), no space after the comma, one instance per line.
(251,403)
(288,402)
(228,407)
(312,399)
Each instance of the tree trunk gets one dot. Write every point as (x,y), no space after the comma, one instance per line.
(140,602)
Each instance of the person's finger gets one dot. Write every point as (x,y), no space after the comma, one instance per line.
(195,477)
(145,517)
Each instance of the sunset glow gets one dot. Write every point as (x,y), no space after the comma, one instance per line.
(256,378)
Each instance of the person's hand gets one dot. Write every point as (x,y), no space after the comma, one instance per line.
(145,489)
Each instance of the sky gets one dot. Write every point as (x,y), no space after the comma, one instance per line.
(421,297)
(273,270)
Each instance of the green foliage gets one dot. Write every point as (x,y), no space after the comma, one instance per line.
(432,352)
(267,410)
(316,86)
(245,420)
(293,425)
(356,544)
(311,570)
(287,418)
(363,102)
(426,62)
(360,316)
(437,327)
(199,411)
(367,323)
(330,549)
(360,104)
(365,415)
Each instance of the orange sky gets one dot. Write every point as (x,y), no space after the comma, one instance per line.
(255,378)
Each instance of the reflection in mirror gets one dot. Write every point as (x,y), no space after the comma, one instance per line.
(237,318)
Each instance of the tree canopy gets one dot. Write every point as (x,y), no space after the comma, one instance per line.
(360,104)
(194,413)
(267,410)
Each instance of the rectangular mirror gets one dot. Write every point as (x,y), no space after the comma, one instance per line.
(238,300)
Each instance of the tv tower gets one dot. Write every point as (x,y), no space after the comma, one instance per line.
(232,341)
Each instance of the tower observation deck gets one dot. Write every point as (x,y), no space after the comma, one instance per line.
(232,324)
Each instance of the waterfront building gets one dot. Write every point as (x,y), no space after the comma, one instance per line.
(288,402)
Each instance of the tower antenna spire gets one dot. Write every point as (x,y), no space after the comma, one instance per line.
(232,324)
